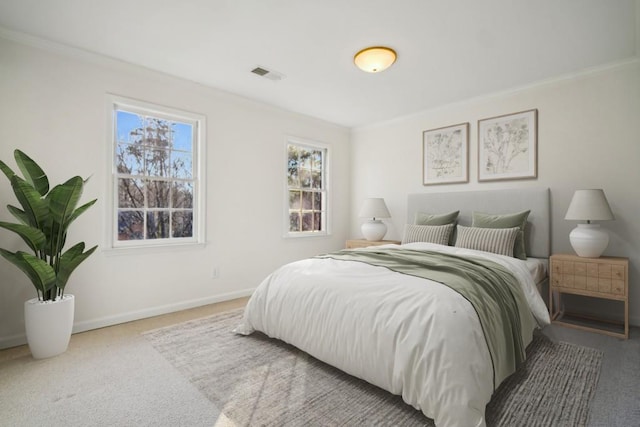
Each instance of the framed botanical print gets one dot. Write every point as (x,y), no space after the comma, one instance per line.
(507,146)
(445,155)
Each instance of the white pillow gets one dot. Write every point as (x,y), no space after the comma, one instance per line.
(496,240)
(427,233)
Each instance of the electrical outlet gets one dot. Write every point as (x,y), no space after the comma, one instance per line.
(215,273)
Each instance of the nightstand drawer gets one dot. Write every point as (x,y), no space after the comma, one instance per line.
(617,272)
(604,270)
(580,268)
(592,270)
(566,281)
(617,287)
(604,285)
(580,282)
(556,267)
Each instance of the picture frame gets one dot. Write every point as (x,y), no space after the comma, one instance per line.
(445,155)
(508,147)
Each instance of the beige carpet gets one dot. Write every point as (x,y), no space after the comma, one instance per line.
(259,381)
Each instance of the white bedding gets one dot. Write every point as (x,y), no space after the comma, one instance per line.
(421,341)
(539,269)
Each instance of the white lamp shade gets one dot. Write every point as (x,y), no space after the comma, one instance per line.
(374,208)
(588,240)
(589,205)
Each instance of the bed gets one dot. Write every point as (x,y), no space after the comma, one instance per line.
(379,314)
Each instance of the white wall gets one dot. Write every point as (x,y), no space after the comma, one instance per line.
(588,137)
(52,106)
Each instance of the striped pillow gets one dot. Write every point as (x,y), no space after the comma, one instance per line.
(496,240)
(427,233)
(518,219)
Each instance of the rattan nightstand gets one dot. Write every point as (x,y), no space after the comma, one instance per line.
(604,277)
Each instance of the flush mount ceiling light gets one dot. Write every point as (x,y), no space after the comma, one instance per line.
(375,59)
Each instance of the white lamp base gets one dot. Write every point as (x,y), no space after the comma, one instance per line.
(373,229)
(588,240)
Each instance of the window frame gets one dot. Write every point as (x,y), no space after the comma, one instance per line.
(115,103)
(326,172)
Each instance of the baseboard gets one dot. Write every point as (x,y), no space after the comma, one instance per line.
(87,325)
(12,341)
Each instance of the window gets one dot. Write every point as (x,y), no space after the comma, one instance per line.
(157,175)
(306,188)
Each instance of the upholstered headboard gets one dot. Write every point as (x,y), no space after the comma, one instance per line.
(537,232)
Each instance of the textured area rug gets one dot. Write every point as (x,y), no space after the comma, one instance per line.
(258,381)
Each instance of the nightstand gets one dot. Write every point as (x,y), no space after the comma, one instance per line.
(604,278)
(362,243)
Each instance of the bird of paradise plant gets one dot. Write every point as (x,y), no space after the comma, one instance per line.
(42,223)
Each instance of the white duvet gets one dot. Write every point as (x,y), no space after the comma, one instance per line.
(413,337)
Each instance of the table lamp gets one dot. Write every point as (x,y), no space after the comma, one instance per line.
(588,240)
(374,229)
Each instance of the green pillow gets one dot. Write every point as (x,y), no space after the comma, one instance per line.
(423,218)
(519,219)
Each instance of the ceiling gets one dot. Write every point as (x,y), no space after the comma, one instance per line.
(448,51)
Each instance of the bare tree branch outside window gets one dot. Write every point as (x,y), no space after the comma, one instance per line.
(307,189)
(154,163)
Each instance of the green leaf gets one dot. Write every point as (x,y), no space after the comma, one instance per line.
(39,272)
(35,207)
(56,238)
(32,172)
(70,260)
(33,237)
(7,170)
(18,214)
(63,199)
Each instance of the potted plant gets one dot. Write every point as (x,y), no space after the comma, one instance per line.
(42,223)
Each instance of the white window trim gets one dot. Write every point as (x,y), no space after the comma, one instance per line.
(199,158)
(327,179)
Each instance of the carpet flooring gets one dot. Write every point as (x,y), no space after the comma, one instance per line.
(258,381)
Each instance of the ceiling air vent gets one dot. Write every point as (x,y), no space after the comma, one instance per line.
(268,74)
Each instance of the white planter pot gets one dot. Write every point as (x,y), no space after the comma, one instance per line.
(48,325)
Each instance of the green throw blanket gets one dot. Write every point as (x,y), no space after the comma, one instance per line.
(492,290)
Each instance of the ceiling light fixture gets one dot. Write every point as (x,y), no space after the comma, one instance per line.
(375,59)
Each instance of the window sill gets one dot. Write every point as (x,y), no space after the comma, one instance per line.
(151,249)
(306,235)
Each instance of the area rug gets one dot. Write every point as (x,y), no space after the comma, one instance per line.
(258,381)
